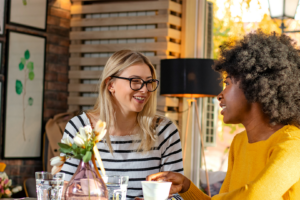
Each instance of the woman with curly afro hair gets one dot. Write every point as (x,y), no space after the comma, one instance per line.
(262,77)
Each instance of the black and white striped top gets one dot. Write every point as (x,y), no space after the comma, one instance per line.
(165,155)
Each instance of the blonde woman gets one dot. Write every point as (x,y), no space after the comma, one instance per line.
(138,143)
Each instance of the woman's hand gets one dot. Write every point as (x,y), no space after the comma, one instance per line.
(180,183)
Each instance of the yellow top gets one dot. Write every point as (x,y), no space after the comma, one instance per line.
(267,170)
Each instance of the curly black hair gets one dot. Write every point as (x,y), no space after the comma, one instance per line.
(268,68)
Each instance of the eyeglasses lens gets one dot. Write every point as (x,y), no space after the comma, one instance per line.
(136,84)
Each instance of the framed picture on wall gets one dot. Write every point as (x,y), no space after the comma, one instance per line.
(24,83)
(2,17)
(28,13)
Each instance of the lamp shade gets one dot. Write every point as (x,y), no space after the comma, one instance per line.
(282,9)
(189,78)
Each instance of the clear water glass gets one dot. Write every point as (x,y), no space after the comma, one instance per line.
(116,186)
(48,186)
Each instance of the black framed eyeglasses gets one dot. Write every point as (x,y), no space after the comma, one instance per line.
(138,83)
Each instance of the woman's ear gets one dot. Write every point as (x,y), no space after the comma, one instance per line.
(110,86)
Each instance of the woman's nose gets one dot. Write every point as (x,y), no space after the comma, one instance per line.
(144,88)
(220,96)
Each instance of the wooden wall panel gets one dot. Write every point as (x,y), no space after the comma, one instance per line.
(79,74)
(83,87)
(125,7)
(99,29)
(101,61)
(157,46)
(120,34)
(124,21)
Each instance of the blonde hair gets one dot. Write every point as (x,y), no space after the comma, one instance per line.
(117,63)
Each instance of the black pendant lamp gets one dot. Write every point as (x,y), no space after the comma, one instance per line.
(189,77)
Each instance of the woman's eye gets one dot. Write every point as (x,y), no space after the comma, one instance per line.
(135,81)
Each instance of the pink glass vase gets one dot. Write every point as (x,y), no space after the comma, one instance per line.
(86,184)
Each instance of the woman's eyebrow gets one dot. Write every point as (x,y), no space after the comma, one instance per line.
(135,76)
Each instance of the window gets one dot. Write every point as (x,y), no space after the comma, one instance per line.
(209,120)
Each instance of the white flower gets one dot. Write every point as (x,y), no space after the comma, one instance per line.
(56,169)
(88,129)
(57,161)
(98,138)
(100,126)
(3,175)
(83,133)
(17,189)
(9,182)
(66,140)
(79,140)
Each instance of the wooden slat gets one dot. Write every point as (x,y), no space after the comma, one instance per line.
(87,61)
(125,7)
(112,21)
(90,48)
(174,20)
(119,34)
(102,61)
(175,7)
(174,47)
(79,74)
(167,101)
(82,101)
(75,55)
(175,34)
(83,87)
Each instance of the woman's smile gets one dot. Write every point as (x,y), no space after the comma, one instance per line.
(140,99)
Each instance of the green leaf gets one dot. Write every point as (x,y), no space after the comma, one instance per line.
(65,150)
(30,66)
(78,157)
(64,146)
(24,2)
(21,66)
(23,60)
(87,157)
(82,151)
(27,55)
(19,87)
(30,101)
(74,146)
(31,75)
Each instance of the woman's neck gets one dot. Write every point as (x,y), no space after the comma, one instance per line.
(257,125)
(125,123)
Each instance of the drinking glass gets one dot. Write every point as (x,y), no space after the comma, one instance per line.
(48,186)
(116,186)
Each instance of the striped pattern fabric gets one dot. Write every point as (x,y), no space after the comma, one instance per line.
(165,155)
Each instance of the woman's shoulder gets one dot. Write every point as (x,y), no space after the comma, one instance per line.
(291,131)
(287,135)
(78,121)
(164,126)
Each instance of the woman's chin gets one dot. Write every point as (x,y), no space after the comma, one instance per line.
(226,121)
(137,109)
